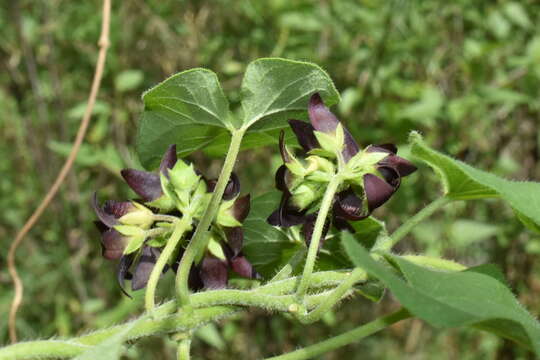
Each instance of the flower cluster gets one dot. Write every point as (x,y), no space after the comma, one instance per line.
(134,232)
(369,176)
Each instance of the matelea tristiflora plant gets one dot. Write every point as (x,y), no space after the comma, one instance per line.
(230,252)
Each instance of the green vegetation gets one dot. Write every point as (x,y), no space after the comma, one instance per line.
(463,73)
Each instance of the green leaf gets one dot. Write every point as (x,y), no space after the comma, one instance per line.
(275,90)
(188,109)
(463,182)
(451,299)
(266,247)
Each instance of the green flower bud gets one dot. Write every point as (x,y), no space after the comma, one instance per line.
(305,194)
(139,216)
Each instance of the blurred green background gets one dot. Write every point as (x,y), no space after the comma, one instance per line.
(466,74)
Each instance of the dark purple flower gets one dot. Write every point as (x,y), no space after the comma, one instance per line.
(147,184)
(350,204)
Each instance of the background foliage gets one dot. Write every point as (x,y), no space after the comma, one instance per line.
(463,73)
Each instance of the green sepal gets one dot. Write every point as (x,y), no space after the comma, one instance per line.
(183,177)
(305,194)
(215,249)
(225,215)
(329,143)
(142,216)
(158,241)
(134,244)
(164,203)
(129,230)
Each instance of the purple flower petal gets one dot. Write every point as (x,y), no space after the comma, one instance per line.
(122,271)
(146,184)
(285,215)
(107,219)
(349,206)
(243,267)
(118,208)
(281,179)
(387,148)
(304,134)
(169,160)
(377,191)
(351,147)
(320,116)
(391,175)
(113,244)
(213,273)
(404,167)
(232,189)
(235,241)
(241,208)
(282,149)
(147,261)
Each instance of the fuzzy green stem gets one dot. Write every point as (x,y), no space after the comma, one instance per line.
(335,296)
(348,337)
(386,243)
(200,238)
(317,233)
(180,228)
(184,347)
(76,346)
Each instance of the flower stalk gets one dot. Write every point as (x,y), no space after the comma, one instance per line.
(326,204)
(200,237)
(180,228)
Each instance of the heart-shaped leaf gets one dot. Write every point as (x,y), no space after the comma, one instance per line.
(188,109)
(450,299)
(276,89)
(463,182)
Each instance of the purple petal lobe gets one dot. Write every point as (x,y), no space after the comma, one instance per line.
(304,134)
(113,244)
(235,240)
(118,208)
(243,267)
(349,206)
(213,273)
(377,191)
(281,179)
(351,147)
(282,149)
(168,160)
(122,271)
(404,167)
(285,215)
(233,187)
(146,184)
(391,175)
(320,116)
(388,148)
(241,208)
(147,261)
(107,219)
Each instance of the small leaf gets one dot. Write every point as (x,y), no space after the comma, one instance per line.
(463,182)
(451,299)
(128,80)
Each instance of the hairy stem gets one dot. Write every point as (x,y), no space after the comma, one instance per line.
(180,227)
(348,337)
(67,349)
(335,296)
(317,233)
(386,244)
(184,349)
(200,238)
